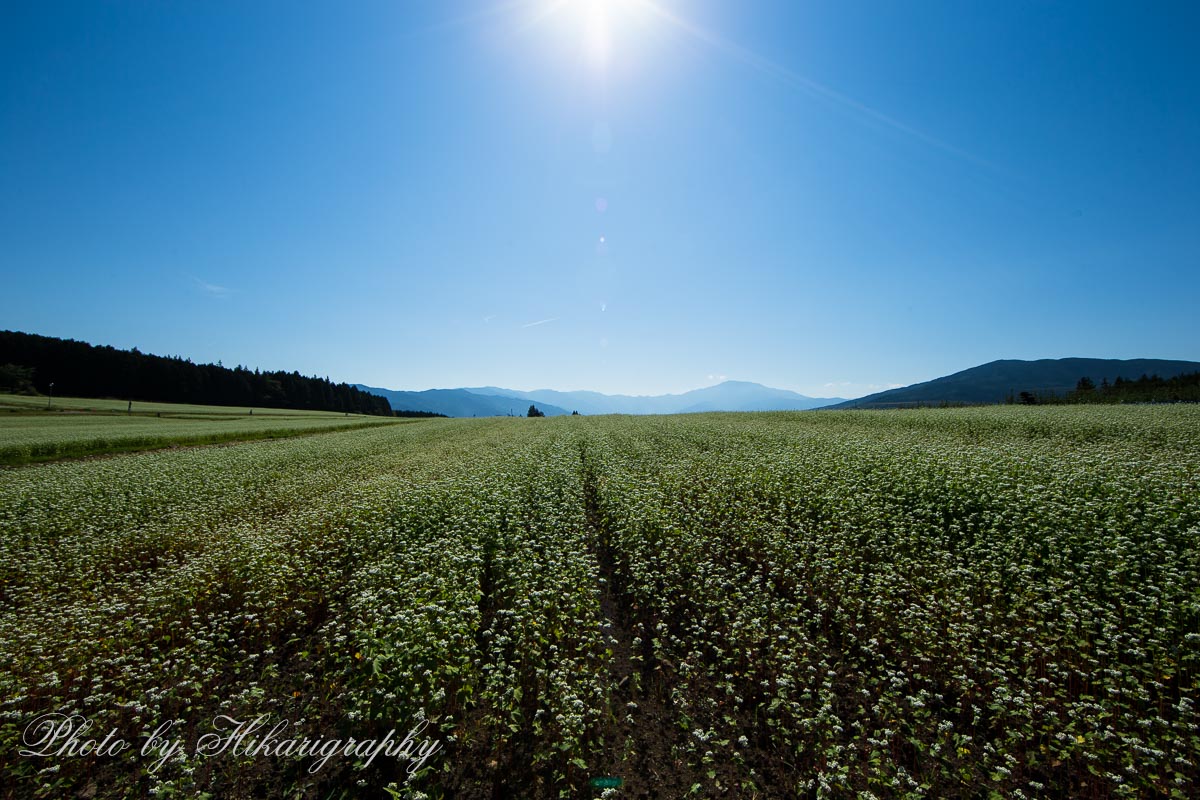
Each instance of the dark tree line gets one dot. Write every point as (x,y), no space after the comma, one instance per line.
(78,369)
(1183,388)
(16,380)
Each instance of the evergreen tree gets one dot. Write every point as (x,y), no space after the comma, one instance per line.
(78,369)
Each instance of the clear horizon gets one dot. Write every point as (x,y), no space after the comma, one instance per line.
(607,195)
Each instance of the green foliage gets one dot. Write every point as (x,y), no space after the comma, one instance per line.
(1146,389)
(27,437)
(78,369)
(16,379)
(943,603)
(1184,388)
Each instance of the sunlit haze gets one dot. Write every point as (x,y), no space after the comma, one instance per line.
(618,195)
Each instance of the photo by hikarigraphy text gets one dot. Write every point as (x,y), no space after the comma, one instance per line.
(55,735)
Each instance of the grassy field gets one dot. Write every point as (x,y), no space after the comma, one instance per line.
(32,429)
(994,602)
(26,403)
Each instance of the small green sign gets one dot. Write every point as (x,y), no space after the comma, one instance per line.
(607,782)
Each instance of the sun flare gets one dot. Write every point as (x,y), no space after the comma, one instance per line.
(596,28)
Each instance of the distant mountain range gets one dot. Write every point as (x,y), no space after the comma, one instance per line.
(990,383)
(459,402)
(30,363)
(996,381)
(494,401)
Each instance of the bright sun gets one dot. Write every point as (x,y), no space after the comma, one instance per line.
(596,26)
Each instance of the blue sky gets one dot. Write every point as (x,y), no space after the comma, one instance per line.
(604,194)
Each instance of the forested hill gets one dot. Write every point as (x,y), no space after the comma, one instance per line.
(1004,381)
(78,369)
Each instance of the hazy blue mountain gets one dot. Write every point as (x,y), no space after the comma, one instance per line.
(727,396)
(995,381)
(459,402)
(744,396)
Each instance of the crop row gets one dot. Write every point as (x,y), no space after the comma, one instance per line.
(953,603)
(28,438)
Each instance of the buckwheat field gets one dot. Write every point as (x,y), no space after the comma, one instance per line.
(988,602)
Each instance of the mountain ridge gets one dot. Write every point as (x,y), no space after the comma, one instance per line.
(498,401)
(993,382)
(458,402)
(724,396)
(997,381)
